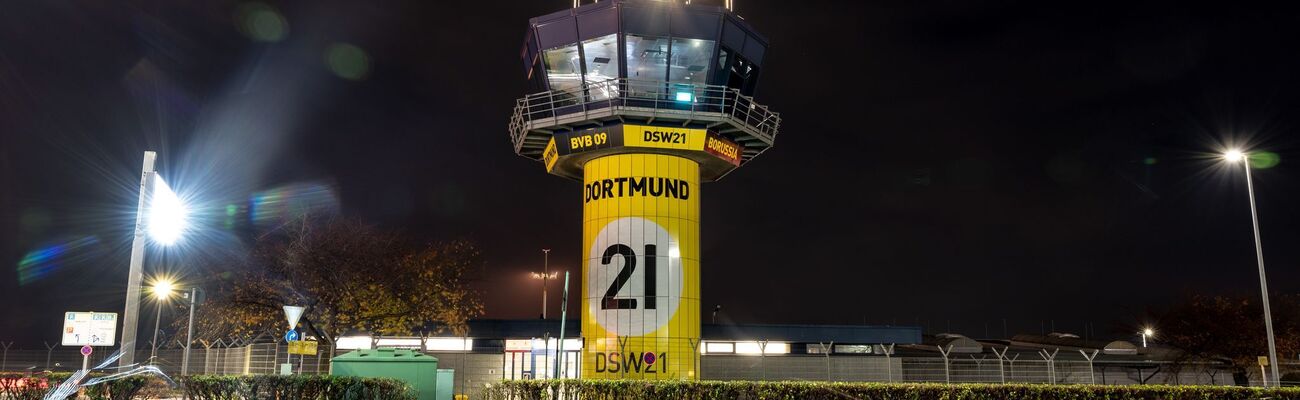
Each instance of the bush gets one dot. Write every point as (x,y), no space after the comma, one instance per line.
(208,387)
(34,386)
(717,390)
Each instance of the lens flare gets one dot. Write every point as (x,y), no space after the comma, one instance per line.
(1233,155)
(46,260)
(292,201)
(166,213)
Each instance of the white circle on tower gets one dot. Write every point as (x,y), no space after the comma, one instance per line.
(634,275)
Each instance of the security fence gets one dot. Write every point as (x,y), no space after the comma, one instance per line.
(474,369)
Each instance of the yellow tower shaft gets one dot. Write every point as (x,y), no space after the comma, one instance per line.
(641,274)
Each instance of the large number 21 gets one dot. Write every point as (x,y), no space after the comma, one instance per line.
(629,265)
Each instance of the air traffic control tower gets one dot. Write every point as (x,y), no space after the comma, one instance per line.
(642,100)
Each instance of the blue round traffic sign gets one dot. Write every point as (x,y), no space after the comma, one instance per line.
(291,336)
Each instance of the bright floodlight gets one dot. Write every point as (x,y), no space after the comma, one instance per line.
(166,213)
(163,289)
(1148,332)
(1233,155)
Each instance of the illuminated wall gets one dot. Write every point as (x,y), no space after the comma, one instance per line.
(640,291)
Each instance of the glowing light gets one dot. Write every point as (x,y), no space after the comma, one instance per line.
(683,96)
(292,201)
(39,263)
(1233,155)
(347,61)
(1148,332)
(162,289)
(355,342)
(166,213)
(1264,159)
(261,22)
(448,344)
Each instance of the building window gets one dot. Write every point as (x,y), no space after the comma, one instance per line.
(448,344)
(724,69)
(853,348)
(563,73)
(647,66)
(719,348)
(818,348)
(690,61)
(600,56)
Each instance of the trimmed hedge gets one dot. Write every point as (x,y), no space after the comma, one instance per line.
(209,387)
(718,390)
(34,386)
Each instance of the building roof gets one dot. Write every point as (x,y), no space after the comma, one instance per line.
(847,334)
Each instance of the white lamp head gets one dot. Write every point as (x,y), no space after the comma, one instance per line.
(167,213)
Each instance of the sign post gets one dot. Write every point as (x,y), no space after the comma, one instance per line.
(88,329)
(291,314)
(85,356)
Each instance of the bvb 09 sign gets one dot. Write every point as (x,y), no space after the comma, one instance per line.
(640,313)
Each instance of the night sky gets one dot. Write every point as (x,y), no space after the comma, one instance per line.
(947,164)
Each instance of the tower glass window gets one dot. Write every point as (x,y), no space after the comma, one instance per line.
(563,73)
(647,65)
(601,58)
(690,63)
(689,66)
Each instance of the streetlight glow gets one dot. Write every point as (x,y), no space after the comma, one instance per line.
(167,213)
(1149,332)
(162,289)
(1233,155)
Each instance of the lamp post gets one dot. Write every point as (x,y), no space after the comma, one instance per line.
(189,332)
(1234,156)
(544,276)
(162,289)
(1145,333)
(546,270)
(161,215)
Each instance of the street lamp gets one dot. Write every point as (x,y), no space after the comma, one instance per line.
(160,214)
(544,276)
(162,289)
(1234,156)
(1148,332)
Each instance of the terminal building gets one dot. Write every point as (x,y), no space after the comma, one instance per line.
(496,350)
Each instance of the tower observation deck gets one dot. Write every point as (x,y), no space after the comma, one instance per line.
(641,100)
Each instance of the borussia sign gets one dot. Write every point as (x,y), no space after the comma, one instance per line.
(723,148)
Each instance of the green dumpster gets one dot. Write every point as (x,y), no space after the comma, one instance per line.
(417,369)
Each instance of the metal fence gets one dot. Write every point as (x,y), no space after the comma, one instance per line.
(968,370)
(473,370)
(650,99)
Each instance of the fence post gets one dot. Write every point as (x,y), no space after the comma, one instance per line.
(762,357)
(1051,363)
(979,365)
(49,351)
(248,359)
(826,350)
(4,360)
(889,363)
(1092,376)
(947,376)
(1001,357)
